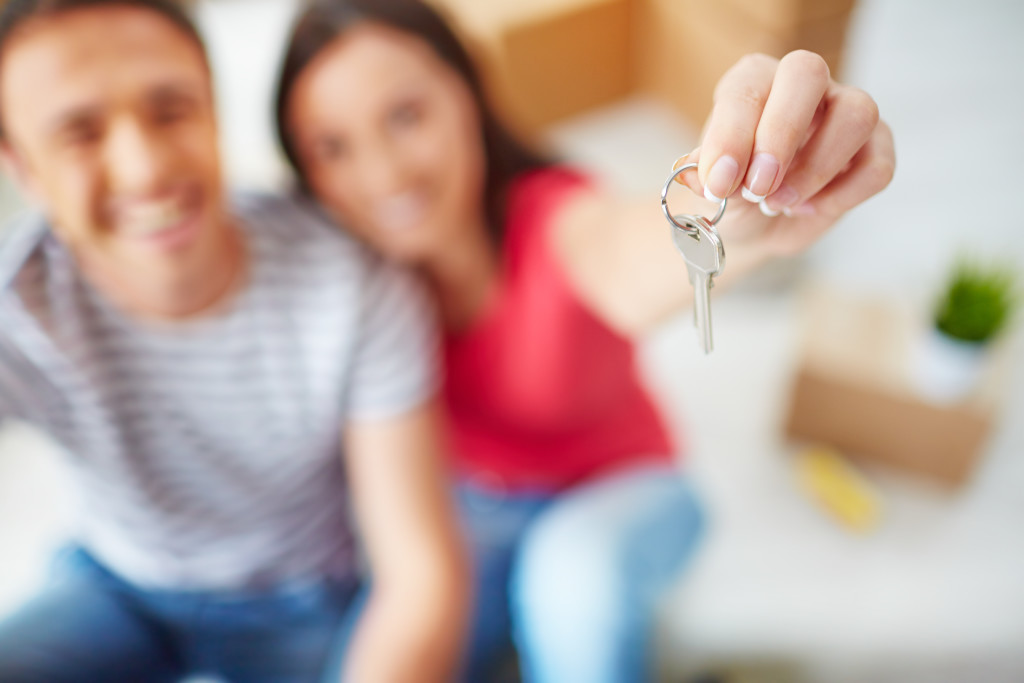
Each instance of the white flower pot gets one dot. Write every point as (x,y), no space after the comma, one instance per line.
(947,370)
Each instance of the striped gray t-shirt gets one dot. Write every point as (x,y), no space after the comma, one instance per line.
(207,453)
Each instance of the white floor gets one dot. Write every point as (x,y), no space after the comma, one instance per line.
(779,592)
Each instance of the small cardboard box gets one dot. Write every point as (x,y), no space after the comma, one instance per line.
(685,46)
(544,60)
(852,391)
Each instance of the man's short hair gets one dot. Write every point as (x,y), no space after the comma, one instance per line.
(16,12)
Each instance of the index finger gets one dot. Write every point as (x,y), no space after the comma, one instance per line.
(740,99)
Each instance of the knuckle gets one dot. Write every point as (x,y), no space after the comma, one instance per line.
(881,172)
(884,131)
(748,96)
(747,67)
(861,110)
(758,60)
(810,64)
(738,92)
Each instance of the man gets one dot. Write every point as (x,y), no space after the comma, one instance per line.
(220,374)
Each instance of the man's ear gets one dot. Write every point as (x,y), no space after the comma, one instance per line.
(17,170)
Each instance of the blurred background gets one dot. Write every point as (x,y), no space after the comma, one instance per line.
(897,554)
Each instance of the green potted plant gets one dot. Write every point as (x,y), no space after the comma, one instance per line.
(977,304)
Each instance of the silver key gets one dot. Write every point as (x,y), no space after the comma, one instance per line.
(701,247)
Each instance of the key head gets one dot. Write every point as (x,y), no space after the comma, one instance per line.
(699,244)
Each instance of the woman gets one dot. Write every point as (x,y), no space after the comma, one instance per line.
(569,488)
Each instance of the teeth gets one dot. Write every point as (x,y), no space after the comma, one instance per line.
(399,212)
(151,218)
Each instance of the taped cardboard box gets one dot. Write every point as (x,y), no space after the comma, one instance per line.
(685,46)
(852,391)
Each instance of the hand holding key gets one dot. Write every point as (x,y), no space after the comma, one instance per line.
(793,143)
(799,147)
(782,133)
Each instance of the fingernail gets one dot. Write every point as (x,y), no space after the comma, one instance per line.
(721,178)
(782,197)
(805,209)
(750,196)
(766,211)
(682,160)
(763,170)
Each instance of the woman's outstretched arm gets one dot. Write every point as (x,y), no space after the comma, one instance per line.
(793,151)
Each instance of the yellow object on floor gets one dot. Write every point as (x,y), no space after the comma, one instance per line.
(839,488)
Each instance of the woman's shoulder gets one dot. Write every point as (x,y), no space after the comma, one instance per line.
(535,197)
(544,184)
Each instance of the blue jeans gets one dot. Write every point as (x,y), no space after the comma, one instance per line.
(573,579)
(89,626)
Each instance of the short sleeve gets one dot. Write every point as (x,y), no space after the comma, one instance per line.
(22,388)
(16,382)
(5,403)
(396,366)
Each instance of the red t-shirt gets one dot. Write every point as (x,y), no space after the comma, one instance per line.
(540,392)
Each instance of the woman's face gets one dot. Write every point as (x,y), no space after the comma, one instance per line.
(389,138)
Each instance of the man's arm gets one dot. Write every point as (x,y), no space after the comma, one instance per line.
(413,625)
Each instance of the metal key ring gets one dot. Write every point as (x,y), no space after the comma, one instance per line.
(664,200)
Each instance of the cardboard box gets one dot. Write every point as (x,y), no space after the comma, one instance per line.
(782,15)
(874,425)
(852,391)
(685,46)
(544,60)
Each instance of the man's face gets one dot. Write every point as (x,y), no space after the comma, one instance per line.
(110,126)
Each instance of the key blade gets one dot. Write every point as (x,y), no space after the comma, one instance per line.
(702,250)
(702,311)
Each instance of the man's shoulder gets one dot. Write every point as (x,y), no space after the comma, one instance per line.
(295,235)
(292,218)
(20,238)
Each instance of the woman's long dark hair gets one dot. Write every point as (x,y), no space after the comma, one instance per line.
(324,21)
